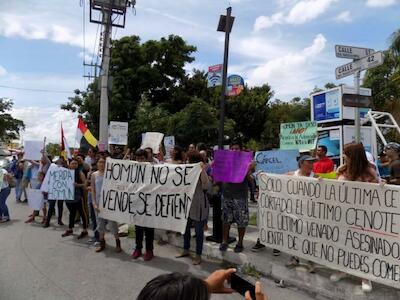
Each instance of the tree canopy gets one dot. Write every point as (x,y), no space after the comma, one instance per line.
(9,126)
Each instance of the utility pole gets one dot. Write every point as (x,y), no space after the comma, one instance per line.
(225,25)
(357,120)
(108,8)
(105,64)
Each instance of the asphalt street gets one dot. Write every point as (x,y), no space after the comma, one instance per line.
(37,263)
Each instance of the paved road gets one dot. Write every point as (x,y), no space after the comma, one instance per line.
(36,263)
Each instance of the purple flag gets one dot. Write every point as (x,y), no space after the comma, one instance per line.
(231,166)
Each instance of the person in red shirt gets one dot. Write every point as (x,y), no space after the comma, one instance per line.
(324,163)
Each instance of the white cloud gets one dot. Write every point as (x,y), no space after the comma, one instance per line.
(302,12)
(290,74)
(46,122)
(3,71)
(380,3)
(344,17)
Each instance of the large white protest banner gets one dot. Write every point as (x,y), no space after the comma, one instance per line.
(152,140)
(35,199)
(349,226)
(59,183)
(118,133)
(32,150)
(157,196)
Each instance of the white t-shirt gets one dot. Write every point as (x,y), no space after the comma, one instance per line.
(297,173)
(3,180)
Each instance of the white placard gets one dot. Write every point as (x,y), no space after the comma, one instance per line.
(118,133)
(152,140)
(349,226)
(35,199)
(169,143)
(59,183)
(32,150)
(156,196)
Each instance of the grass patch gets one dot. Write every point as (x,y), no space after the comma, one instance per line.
(253,219)
(131,232)
(250,270)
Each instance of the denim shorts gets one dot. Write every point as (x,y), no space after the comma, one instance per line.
(235,211)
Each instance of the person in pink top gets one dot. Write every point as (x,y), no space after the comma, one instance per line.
(324,163)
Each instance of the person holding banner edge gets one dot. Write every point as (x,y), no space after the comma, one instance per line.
(76,205)
(96,185)
(356,168)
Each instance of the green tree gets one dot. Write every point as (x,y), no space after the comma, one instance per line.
(53,149)
(9,126)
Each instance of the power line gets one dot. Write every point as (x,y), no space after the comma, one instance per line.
(34,90)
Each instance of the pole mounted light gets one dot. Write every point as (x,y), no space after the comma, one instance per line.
(225,25)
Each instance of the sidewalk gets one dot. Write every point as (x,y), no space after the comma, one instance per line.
(317,285)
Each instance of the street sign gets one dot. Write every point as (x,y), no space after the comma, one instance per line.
(351,52)
(356,100)
(368,62)
(214,76)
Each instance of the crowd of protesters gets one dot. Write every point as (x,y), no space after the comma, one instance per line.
(359,165)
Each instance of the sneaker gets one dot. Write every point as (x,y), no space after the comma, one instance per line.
(335,277)
(46,225)
(67,233)
(197,260)
(136,254)
(60,223)
(276,252)
(183,253)
(366,286)
(223,247)
(293,262)
(5,220)
(258,246)
(148,255)
(238,248)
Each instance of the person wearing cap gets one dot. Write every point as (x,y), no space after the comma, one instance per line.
(392,151)
(306,166)
(324,164)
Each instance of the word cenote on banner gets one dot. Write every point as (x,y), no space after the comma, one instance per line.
(171,205)
(338,193)
(136,173)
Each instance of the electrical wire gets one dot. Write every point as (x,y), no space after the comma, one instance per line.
(84,39)
(34,90)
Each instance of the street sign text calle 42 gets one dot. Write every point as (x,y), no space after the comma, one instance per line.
(368,62)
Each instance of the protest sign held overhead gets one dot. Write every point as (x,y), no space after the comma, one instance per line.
(276,161)
(298,135)
(349,226)
(169,143)
(156,196)
(32,150)
(59,183)
(118,133)
(152,140)
(231,166)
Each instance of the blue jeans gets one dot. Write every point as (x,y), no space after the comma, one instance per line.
(18,188)
(3,206)
(199,229)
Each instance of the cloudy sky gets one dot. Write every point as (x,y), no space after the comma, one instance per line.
(288,44)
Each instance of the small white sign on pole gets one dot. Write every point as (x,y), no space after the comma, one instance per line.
(118,133)
(32,150)
(152,140)
(351,52)
(35,199)
(371,61)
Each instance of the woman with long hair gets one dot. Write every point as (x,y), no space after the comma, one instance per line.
(356,168)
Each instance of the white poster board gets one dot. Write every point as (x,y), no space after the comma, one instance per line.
(350,226)
(368,138)
(169,143)
(59,183)
(118,133)
(35,199)
(156,196)
(32,150)
(152,140)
